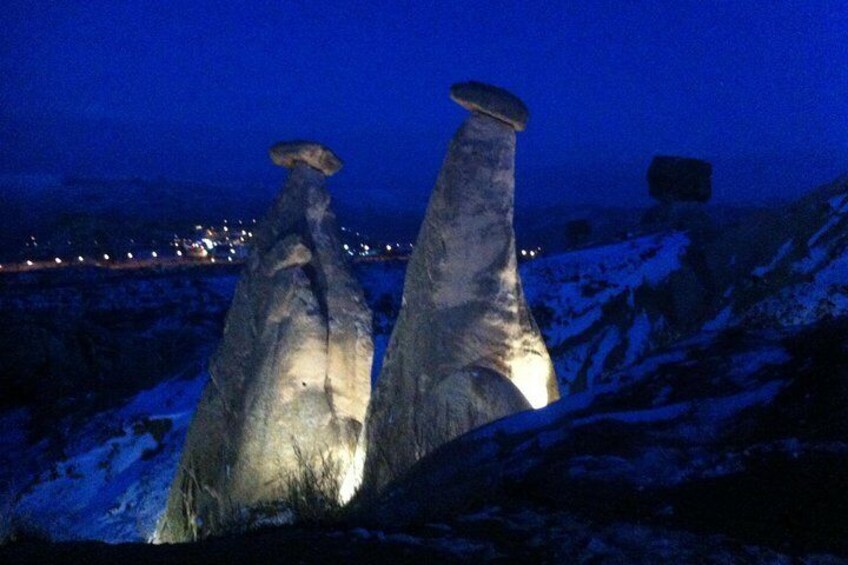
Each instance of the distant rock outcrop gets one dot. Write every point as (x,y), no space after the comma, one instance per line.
(293,370)
(682,186)
(465,350)
(680,179)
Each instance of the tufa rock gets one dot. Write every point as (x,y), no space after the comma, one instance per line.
(492,101)
(680,179)
(465,349)
(289,153)
(290,381)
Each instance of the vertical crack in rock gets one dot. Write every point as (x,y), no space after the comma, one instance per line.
(293,368)
(465,349)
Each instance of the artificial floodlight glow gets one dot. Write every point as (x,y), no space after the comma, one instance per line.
(530,374)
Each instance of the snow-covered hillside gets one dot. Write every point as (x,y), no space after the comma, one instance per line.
(594,305)
(796,261)
(734,433)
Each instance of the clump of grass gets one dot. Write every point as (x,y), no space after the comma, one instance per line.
(311,490)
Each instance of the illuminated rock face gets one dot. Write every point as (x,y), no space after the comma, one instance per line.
(464,324)
(293,369)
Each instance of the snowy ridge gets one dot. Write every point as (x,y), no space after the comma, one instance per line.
(805,281)
(670,441)
(114,490)
(587,307)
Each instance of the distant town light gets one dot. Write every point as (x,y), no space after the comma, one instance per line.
(58,261)
(129,255)
(154,255)
(105,256)
(29,263)
(388,248)
(213,259)
(80,259)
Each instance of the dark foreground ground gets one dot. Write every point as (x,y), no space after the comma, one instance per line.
(495,534)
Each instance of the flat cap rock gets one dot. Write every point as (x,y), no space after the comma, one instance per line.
(492,101)
(317,156)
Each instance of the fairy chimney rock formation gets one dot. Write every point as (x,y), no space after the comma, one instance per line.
(682,186)
(290,380)
(465,350)
(680,179)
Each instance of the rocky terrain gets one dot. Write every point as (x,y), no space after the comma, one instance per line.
(705,379)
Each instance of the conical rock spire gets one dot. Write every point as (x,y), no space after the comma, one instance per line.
(290,381)
(465,349)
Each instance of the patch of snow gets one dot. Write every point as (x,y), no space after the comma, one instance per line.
(714,410)
(605,345)
(832,221)
(839,203)
(745,365)
(781,253)
(638,339)
(814,259)
(721,321)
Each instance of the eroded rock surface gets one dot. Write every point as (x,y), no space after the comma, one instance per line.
(465,350)
(292,371)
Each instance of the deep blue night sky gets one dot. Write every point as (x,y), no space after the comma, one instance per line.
(198,89)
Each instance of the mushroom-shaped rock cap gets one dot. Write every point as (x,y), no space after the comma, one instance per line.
(492,101)
(317,156)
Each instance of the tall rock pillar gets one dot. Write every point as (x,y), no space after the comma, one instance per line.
(465,349)
(290,381)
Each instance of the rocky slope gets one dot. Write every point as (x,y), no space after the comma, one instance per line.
(734,433)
